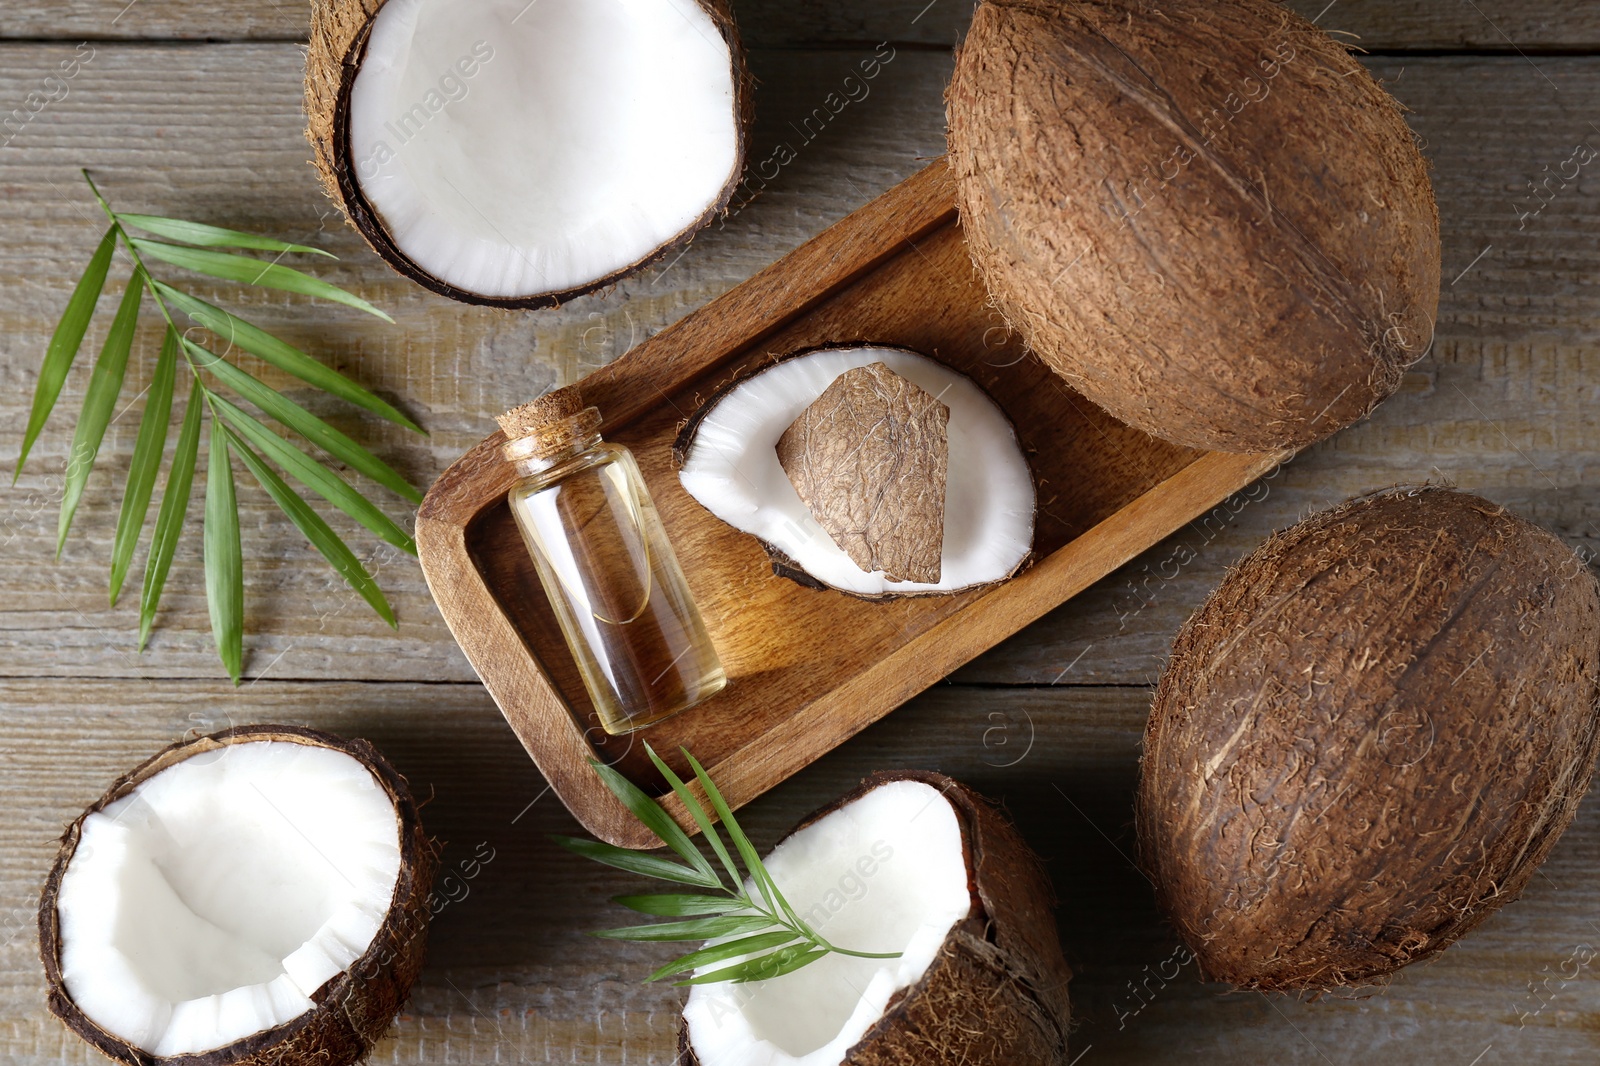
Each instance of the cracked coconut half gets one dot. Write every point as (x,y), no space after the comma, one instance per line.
(918,864)
(871,470)
(518,154)
(256,897)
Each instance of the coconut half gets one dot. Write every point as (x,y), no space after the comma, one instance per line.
(518,154)
(915,863)
(258,896)
(728,460)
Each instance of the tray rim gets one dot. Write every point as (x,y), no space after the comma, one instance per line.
(802,279)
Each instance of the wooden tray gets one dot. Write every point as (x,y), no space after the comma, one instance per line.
(807,669)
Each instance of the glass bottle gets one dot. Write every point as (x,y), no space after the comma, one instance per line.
(607,566)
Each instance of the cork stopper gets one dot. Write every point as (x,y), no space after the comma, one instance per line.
(548,425)
(553,406)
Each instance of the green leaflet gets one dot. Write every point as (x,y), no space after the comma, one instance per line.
(224,558)
(229,267)
(314,475)
(655,818)
(764,968)
(698,929)
(745,945)
(308,522)
(281,354)
(146,465)
(176,229)
(98,403)
(303,422)
(675,905)
(636,862)
(66,341)
(169,523)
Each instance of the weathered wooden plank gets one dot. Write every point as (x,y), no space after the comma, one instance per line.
(1496,24)
(1502,405)
(512,978)
(235,155)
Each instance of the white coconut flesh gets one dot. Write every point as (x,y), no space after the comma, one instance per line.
(732,468)
(588,135)
(212,901)
(886,872)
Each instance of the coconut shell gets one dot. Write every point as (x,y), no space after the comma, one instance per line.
(1207,217)
(869,459)
(355,1008)
(782,565)
(1368,738)
(339,32)
(996,993)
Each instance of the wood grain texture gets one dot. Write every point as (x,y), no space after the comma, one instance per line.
(1385,24)
(1504,406)
(1501,405)
(511,977)
(234,154)
(806,668)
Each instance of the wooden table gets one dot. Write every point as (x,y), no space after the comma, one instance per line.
(193,109)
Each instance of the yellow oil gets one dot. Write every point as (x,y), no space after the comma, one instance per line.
(616,588)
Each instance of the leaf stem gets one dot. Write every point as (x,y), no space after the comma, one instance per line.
(149,282)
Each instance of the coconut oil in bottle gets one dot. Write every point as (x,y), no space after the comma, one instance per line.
(605,562)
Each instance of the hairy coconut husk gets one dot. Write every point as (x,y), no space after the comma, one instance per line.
(1207,217)
(996,994)
(782,564)
(1368,738)
(355,1008)
(869,458)
(339,31)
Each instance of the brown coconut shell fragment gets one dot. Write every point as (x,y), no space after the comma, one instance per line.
(353,1009)
(1368,738)
(996,993)
(1208,217)
(869,458)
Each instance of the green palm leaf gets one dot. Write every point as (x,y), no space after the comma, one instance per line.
(146,464)
(761,968)
(315,476)
(747,851)
(66,341)
(654,817)
(637,862)
(282,409)
(699,929)
(169,522)
(728,949)
(98,404)
(202,248)
(224,557)
(697,812)
(241,268)
(675,905)
(308,522)
(281,354)
(176,229)
(770,938)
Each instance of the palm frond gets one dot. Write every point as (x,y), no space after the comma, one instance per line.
(217,388)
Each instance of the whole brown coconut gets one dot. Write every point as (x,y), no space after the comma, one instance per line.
(352,1009)
(1368,738)
(1205,215)
(996,992)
